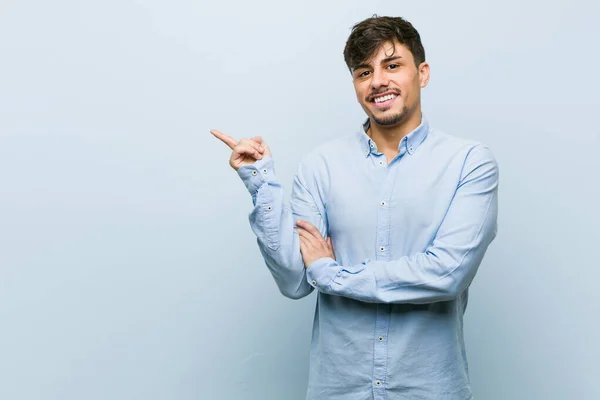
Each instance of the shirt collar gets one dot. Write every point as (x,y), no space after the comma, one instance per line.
(408,144)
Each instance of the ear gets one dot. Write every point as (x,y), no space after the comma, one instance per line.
(424,74)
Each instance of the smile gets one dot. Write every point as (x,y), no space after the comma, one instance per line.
(384,101)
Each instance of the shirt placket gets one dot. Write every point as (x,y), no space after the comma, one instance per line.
(383,310)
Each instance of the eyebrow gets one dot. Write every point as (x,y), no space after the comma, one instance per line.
(388,59)
(385,60)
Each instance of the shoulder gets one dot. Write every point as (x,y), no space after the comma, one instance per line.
(330,152)
(459,147)
(471,160)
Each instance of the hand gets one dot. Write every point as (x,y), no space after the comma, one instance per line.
(246,151)
(312,245)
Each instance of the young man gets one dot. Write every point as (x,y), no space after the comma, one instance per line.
(408,213)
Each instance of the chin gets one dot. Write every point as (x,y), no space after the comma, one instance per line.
(391,118)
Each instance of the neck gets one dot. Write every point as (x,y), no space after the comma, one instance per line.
(388,137)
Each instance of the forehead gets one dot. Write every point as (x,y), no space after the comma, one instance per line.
(390,49)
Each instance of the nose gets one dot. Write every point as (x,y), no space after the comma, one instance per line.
(379,79)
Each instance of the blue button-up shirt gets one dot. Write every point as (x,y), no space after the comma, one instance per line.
(408,238)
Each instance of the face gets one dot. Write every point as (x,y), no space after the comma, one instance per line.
(388,86)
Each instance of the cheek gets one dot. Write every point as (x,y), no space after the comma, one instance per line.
(408,87)
(360,92)
(407,80)
(358,96)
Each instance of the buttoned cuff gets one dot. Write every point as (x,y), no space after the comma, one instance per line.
(255,175)
(321,272)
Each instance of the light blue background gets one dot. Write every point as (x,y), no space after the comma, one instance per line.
(127,266)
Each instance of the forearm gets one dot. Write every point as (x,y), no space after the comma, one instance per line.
(273,224)
(439,274)
(278,243)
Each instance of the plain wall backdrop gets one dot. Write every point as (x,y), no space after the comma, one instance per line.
(128,269)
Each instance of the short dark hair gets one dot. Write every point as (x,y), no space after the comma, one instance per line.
(368,35)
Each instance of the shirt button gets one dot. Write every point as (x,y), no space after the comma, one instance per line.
(410,148)
(380,162)
(269,208)
(382,204)
(381,248)
(372,146)
(264,171)
(314,282)
(380,338)
(254,172)
(378,383)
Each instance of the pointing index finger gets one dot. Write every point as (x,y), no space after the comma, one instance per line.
(228,140)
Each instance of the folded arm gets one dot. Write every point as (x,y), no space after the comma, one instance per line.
(446,267)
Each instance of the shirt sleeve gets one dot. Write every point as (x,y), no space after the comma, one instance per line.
(273,222)
(447,267)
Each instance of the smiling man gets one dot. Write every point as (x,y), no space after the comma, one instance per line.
(388,224)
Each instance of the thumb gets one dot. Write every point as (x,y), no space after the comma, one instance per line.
(260,140)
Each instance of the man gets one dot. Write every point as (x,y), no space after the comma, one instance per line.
(408,213)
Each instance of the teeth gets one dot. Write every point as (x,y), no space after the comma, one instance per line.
(384,98)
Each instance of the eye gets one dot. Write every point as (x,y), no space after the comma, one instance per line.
(394,66)
(363,74)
